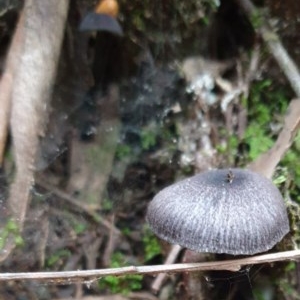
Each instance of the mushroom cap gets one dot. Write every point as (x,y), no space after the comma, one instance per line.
(109,7)
(220,211)
(100,22)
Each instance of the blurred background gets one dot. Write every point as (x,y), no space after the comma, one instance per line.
(147,93)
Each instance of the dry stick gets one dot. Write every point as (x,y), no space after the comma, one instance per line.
(110,245)
(170,259)
(275,46)
(6,83)
(248,78)
(78,206)
(267,162)
(130,296)
(88,276)
(43,31)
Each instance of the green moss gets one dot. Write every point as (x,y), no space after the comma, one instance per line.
(11,229)
(80,228)
(257,19)
(107,204)
(280,177)
(288,289)
(151,244)
(120,284)
(258,140)
(148,138)
(123,151)
(292,163)
(266,105)
(56,257)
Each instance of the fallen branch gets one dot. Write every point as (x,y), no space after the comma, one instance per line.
(6,83)
(77,206)
(157,283)
(88,276)
(275,46)
(266,163)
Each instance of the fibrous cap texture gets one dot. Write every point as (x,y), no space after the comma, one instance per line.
(220,211)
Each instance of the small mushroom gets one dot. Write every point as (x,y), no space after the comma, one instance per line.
(234,211)
(103,18)
(100,22)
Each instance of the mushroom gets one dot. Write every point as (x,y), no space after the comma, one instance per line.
(100,22)
(103,18)
(233,211)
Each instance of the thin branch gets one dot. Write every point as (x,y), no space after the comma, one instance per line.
(266,163)
(275,47)
(157,283)
(88,276)
(77,205)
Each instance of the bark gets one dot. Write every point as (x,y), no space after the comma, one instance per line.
(43,31)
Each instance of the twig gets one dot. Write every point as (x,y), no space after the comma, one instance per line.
(77,205)
(110,245)
(170,260)
(6,83)
(253,67)
(88,276)
(267,162)
(275,47)
(131,296)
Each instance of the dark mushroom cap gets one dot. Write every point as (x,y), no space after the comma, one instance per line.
(221,211)
(100,22)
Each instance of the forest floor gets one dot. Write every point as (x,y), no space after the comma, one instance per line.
(181,92)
